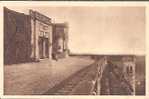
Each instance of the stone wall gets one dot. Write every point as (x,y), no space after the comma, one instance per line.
(17,37)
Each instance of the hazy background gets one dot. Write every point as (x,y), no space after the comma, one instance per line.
(99,30)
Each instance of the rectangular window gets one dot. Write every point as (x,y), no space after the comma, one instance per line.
(41,33)
(46,34)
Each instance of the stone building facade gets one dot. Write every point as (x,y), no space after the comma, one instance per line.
(41,38)
(60,40)
(17,37)
(32,37)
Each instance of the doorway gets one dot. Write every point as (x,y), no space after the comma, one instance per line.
(46,47)
(43,47)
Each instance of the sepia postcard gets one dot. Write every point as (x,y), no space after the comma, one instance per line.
(83,49)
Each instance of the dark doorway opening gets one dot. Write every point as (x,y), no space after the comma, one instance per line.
(43,47)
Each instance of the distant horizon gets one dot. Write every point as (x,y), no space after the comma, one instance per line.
(107,54)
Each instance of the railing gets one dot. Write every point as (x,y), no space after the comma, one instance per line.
(100,65)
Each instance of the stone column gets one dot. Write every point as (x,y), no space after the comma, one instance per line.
(44,48)
(50,42)
(37,40)
(32,39)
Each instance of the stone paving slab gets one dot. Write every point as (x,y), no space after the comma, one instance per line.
(37,78)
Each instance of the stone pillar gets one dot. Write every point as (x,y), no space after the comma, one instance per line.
(44,48)
(50,42)
(32,39)
(36,41)
(133,79)
(66,41)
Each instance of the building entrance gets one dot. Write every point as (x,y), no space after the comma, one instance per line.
(46,47)
(43,48)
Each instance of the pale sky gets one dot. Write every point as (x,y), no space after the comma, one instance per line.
(99,30)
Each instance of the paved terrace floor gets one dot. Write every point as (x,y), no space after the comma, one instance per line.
(37,78)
